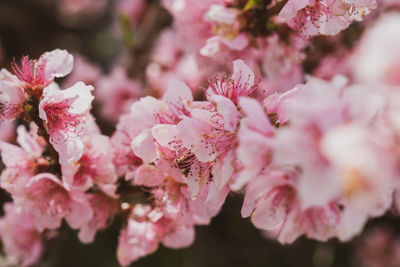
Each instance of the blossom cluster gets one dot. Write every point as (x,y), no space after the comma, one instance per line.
(314,155)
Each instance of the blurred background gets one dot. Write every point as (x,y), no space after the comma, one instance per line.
(103,32)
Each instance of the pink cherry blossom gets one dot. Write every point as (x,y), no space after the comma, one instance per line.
(171,149)
(269,199)
(95,165)
(149,112)
(190,13)
(65,113)
(226,30)
(176,226)
(104,209)
(49,201)
(170,222)
(19,237)
(137,240)
(241,83)
(201,146)
(313,156)
(359,155)
(334,111)
(336,152)
(134,133)
(124,158)
(326,17)
(37,74)
(272,201)
(210,136)
(149,175)
(133,141)
(117,92)
(11,96)
(280,63)
(255,143)
(391,3)
(374,63)
(170,61)
(22,162)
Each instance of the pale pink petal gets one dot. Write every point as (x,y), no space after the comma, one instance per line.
(149,175)
(215,198)
(137,240)
(290,10)
(266,215)
(211,47)
(227,109)
(164,134)
(104,209)
(69,171)
(224,169)
(221,14)
(29,142)
(69,151)
(182,236)
(177,92)
(239,43)
(144,147)
(59,63)
(192,132)
(82,97)
(80,211)
(11,154)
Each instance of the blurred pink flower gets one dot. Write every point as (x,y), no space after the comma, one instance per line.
(20,239)
(137,240)
(82,7)
(21,162)
(380,246)
(104,209)
(83,71)
(133,10)
(11,96)
(116,93)
(170,61)
(374,63)
(327,17)
(49,201)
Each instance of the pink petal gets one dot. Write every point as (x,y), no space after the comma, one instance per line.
(177,92)
(149,175)
(228,110)
(80,210)
(144,147)
(192,132)
(59,63)
(291,8)
(182,237)
(239,43)
(81,95)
